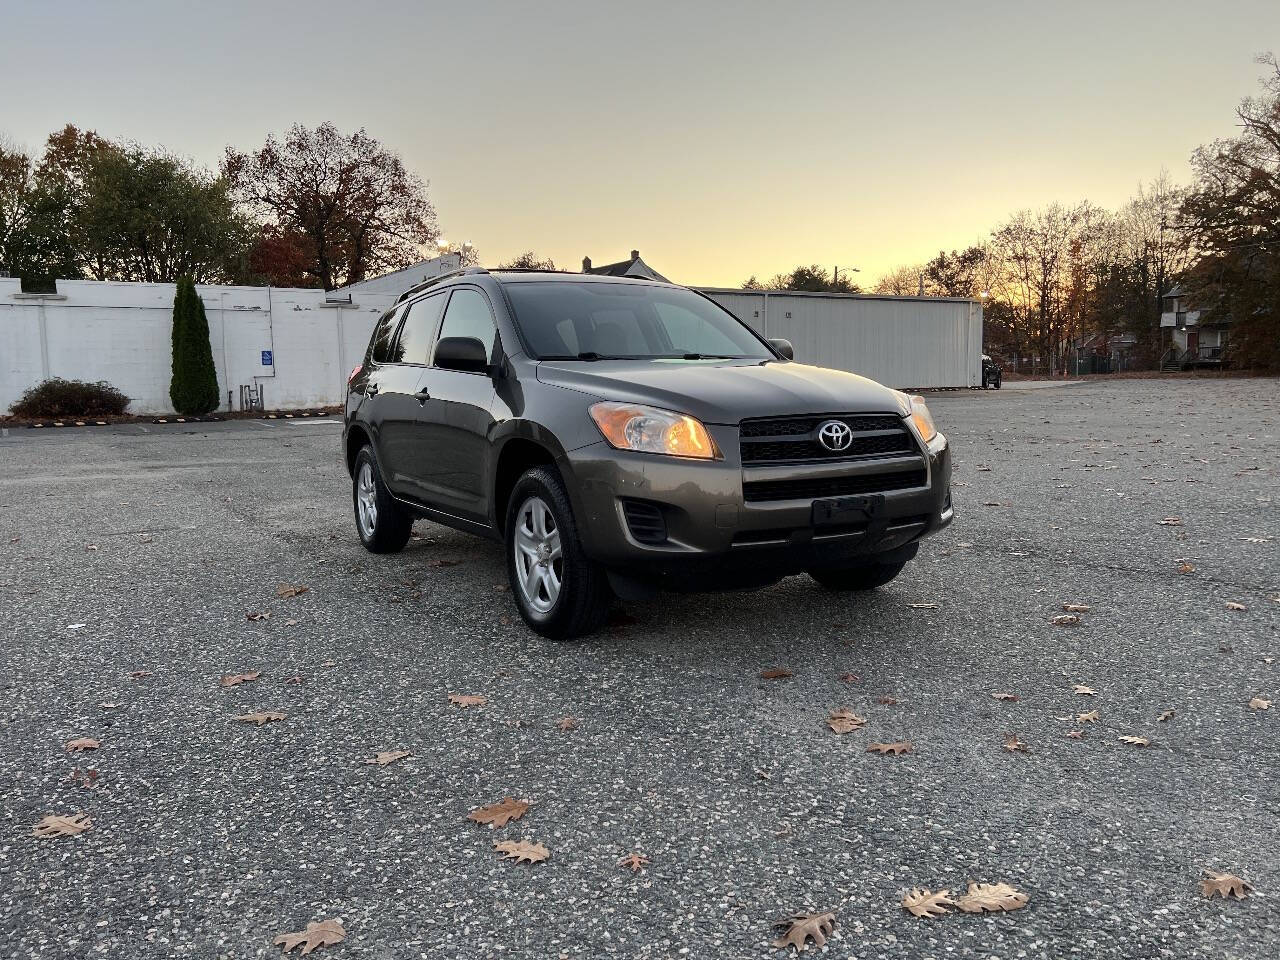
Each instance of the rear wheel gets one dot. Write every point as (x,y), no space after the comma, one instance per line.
(560,592)
(383,524)
(862,576)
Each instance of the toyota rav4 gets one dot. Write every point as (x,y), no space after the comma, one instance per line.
(621,436)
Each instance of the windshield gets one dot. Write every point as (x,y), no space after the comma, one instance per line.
(563,320)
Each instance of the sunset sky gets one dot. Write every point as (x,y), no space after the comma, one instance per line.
(721,139)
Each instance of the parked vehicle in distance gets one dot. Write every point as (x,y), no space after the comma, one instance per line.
(992,375)
(621,436)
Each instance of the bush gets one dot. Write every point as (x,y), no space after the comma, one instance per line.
(71,398)
(194,387)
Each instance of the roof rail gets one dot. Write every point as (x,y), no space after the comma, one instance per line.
(431,282)
(527,270)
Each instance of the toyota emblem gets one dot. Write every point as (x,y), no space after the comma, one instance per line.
(835,435)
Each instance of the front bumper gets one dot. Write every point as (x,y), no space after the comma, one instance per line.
(713,529)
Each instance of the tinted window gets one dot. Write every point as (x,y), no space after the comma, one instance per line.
(414,343)
(567,319)
(384,332)
(468,316)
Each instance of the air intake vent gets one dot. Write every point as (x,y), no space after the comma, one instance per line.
(645,521)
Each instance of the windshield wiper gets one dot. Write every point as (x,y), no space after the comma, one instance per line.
(710,356)
(584,355)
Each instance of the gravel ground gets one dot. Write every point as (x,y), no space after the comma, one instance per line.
(142,548)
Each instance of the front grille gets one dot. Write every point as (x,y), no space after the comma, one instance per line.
(809,489)
(645,521)
(795,439)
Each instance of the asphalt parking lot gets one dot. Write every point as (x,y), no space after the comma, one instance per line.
(131,556)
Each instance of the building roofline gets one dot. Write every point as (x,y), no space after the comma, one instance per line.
(833,295)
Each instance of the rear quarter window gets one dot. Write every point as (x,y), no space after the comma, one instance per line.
(383,333)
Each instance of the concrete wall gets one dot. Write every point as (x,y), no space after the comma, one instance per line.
(899,341)
(120,332)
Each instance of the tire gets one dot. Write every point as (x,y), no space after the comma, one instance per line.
(998,382)
(863,576)
(384,526)
(561,593)
(984,381)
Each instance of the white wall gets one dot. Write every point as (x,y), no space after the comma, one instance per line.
(898,341)
(120,333)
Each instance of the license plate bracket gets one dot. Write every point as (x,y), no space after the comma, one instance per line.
(866,509)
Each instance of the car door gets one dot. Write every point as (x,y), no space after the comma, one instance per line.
(457,417)
(397,406)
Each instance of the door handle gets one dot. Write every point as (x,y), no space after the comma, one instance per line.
(371,390)
(423,395)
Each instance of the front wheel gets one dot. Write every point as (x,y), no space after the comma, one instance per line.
(560,592)
(862,576)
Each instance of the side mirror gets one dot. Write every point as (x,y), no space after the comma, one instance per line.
(783,347)
(462,353)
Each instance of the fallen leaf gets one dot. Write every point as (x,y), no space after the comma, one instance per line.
(1171,522)
(439,562)
(1224,885)
(1257,703)
(1014,745)
(1091,717)
(295,679)
(326,933)
(90,548)
(1084,691)
(775,673)
(465,700)
(797,931)
(850,678)
(522,852)
(286,590)
(1006,697)
(139,674)
(389,756)
(259,615)
(567,723)
(62,825)
(635,862)
(235,679)
(83,743)
(1075,734)
(991,898)
(1076,607)
(1186,568)
(1135,741)
(1066,620)
(926,903)
(258,719)
(1232,605)
(887,700)
(1166,715)
(844,720)
(499,814)
(903,746)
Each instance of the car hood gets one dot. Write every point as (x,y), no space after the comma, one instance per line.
(723,391)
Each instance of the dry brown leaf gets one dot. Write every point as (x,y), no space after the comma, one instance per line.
(902,746)
(1232,605)
(635,862)
(887,701)
(1014,745)
(326,933)
(1084,691)
(1186,568)
(1224,885)
(565,724)
(522,852)
(235,679)
(286,590)
(1135,741)
(62,825)
(254,617)
(389,756)
(499,814)
(1091,717)
(1171,522)
(844,720)
(775,673)
(926,903)
(1258,703)
(1076,607)
(991,898)
(850,678)
(1075,734)
(1166,715)
(465,700)
(1066,620)
(1006,697)
(802,927)
(82,743)
(139,674)
(260,717)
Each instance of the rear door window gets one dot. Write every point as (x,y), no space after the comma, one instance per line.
(418,331)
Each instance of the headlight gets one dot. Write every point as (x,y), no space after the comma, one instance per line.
(921,418)
(633,426)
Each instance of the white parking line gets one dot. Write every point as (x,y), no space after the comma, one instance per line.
(304,423)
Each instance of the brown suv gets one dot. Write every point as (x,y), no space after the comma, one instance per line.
(625,435)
